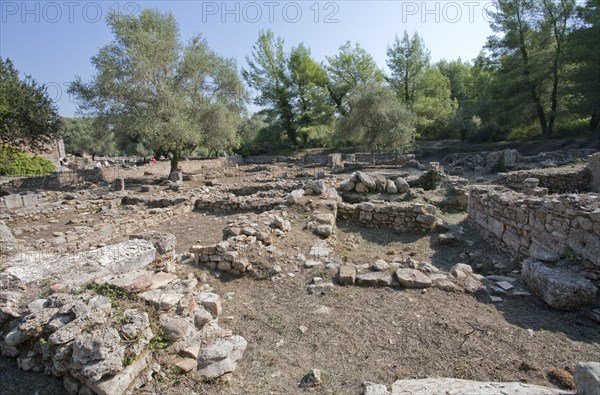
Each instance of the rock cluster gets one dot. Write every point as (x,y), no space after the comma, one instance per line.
(102,339)
(120,215)
(410,274)
(493,162)
(539,227)
(244,240)
(231,202)
(323,218)
(364,183)
(401,216)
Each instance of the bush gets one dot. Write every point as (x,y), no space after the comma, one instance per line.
(14,162)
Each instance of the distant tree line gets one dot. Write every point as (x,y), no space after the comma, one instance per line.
(538,75)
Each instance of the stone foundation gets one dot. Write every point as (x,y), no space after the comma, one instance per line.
(594,171)
(571,179)
(398,216)
(239,203)
(544,228)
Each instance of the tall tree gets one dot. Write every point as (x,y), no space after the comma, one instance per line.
(556,22)
(353,65)
(292,86)
(459,75)
(152,87)
(530,36)
(267,75)
(28,118)
(308,87)
(83,135)
(583,58)
(434,106)
(377,119)
(408,59)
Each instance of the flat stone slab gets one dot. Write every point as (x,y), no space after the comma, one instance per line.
(587,378)
(412,278)
(122,381)
(162,300)
(135,281)
(319,250)
(76,269)
(446,386)
(161,279)
(374,279)
(560,287)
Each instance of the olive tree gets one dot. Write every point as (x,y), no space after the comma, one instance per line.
(172,97)
(377,119)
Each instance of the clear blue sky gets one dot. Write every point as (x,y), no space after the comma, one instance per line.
(54,40)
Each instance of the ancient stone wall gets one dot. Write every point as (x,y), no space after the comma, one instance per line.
(399,216)
(56,181)
(495,161)
(231,202)
(16,201)
(381,157)
(315,160)
(572,179)
(594,171)
(544,228)
(266,160)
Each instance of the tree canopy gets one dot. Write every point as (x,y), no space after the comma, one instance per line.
(172,97)
(28,118)
(377,118)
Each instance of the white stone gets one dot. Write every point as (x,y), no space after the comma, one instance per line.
(587,378)
(443,386)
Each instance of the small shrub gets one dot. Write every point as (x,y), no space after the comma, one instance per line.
(14,162)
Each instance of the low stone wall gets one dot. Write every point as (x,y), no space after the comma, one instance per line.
(315,160)
(16,201)
(59,180)
(230,202)
(494,161)
(571,179)
(544,228)
(382,157)
(398,216)
(594,170)
(266,160)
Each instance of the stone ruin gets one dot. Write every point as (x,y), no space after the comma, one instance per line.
(80,332)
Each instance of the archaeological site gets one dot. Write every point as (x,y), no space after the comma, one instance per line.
(325,274)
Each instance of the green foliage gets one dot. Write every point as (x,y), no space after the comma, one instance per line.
(433,105)
(113,293)
(316,136)
(292,86)
(248,132)
(350,67)
(308,87)
(158,341)
(569,255)
(84,136)
(582,57)
(529,45)
(28,118)
(430,180)
(408,60)
(377,119)
(14,162)
(163,94)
